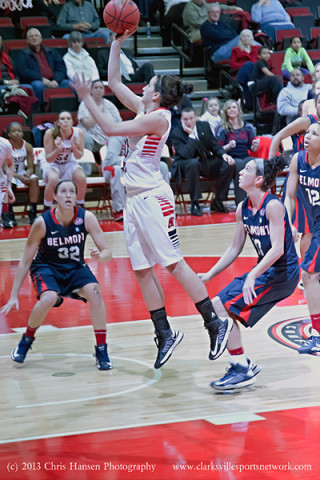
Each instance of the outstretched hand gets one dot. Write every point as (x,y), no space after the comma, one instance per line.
(8,306)
(126,34)
(81,85)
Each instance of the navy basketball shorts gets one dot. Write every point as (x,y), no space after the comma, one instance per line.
(311,261)
(271,287)
(66,282)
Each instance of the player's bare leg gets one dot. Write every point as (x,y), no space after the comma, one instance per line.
(218,329)
(92,293)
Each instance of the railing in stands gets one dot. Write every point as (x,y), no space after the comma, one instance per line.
(185,49)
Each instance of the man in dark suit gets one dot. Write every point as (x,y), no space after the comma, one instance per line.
(129,69)
(197,153)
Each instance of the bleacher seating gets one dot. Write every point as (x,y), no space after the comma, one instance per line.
(56,99)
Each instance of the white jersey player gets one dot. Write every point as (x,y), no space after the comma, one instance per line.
(149,215)
(64,145)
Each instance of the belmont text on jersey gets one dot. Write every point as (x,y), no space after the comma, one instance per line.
(71,240)
(62,246)
(258,228)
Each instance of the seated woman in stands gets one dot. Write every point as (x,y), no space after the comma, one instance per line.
(24,176)
(237,137)
(243,57)
(64,145)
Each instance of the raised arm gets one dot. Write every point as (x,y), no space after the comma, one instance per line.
(37,232)
(123,93)
(300,124)
(103,252)
(148,124)
(231,253)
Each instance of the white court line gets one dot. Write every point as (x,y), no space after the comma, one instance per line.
(160,422)
(156,377)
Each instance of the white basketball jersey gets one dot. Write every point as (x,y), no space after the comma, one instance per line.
(142,163)
(19,158)
(66,154)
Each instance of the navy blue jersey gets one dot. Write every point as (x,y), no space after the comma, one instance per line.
(62,247)
(309,179)
(257,227)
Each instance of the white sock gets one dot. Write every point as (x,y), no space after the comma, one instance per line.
(241,359)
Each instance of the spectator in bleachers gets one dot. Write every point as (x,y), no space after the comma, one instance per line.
(211,114)
(218,38)
(271,16)
(243,57)
(63,145)
(23,176)
(94,138)
(80,15)
(309,106)
(78,60)
(246,50)
(290,96)
(195,13)
(130,71)
(236,136)
(265,81)
(40,66)
(296,57)
(198,153)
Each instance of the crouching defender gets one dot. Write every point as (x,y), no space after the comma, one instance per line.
(59,269)
(248,298)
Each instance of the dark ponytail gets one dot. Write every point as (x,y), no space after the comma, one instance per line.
(170,88)
(270,170)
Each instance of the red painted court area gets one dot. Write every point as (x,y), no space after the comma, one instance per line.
(278,445)
(121,293)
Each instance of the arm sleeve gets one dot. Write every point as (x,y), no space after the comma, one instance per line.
(95,18)
(69,66)
(234,62)
(251,131)
(307,60)
(287,62)
(221,136)
(256,13)
(62,20)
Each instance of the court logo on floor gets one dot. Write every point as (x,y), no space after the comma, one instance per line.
(291,333)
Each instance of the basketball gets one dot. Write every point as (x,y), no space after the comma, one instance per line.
(121,15)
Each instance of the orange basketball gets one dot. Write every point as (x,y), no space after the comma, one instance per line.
(121,15)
